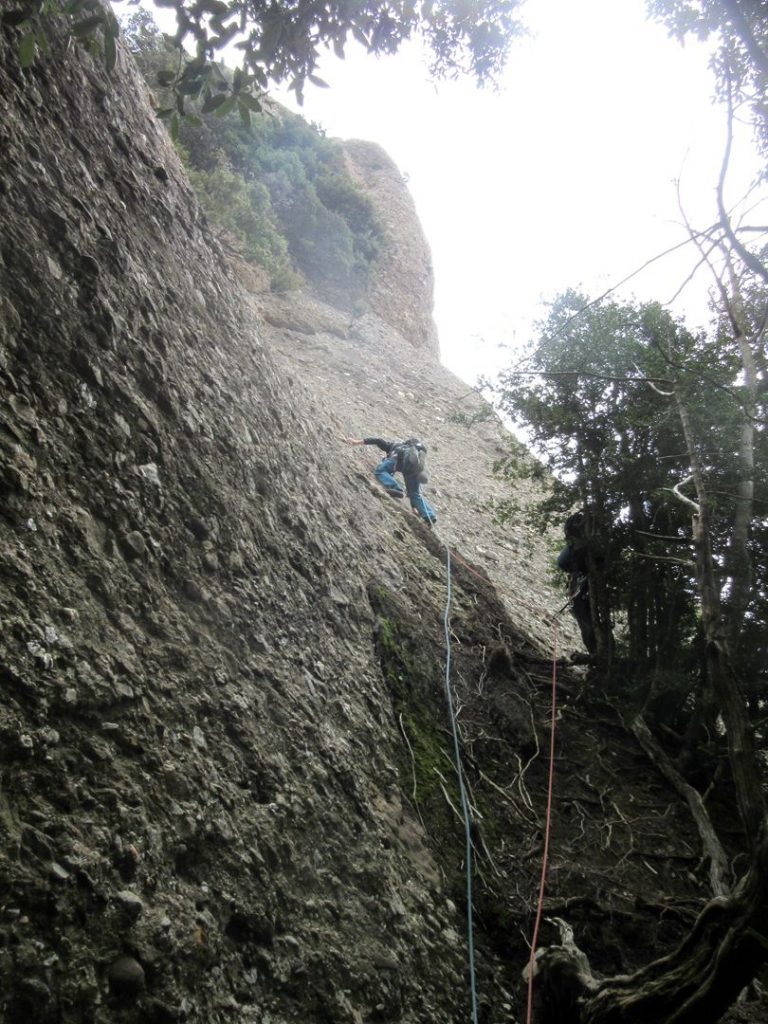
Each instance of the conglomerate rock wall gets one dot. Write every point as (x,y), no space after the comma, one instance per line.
(226,790)
(185,642)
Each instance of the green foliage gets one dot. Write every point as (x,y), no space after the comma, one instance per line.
(275,184)
(598,392)
(612,444)
(90,23)
(242,210)
(479,414)
(282,42)
(740,60)
(330,229)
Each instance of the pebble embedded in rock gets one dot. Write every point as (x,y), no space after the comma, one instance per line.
(198,528)
(126,977)
(193,590)
(59,873)
(130,903)
(135,545)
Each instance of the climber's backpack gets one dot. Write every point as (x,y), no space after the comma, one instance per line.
(412,459)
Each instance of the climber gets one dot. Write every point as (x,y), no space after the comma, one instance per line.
(574,560)
(406,457)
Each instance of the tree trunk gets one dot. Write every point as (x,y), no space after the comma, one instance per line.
(741,748)
(712,848)
(695,984)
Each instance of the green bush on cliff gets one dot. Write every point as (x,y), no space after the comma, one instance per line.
(241,210)
(329,226)
(275,184)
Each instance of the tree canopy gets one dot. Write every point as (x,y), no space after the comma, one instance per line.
(283,41)
(740,59)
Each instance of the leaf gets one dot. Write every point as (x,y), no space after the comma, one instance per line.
(245,114)
(85,28)
(112,23)
(213,103)
(318,81)
(226,35)
(27,50)
(251,102)
(110,49)
(195,65)
(15,17)
(174,127)
(215,7)
(270,38)
(226,107)
(190,88)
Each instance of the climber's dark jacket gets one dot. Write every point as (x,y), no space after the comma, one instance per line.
(573,560)
(387,447)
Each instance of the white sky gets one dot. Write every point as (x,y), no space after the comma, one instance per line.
(563,178)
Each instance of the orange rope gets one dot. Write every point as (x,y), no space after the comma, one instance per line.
(469,568)
(547,827)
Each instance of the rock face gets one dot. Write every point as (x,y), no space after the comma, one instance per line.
(225,757)
(401,293)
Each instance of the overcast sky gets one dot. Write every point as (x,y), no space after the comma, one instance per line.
(565,177)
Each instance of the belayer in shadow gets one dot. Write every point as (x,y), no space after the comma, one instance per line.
(574,559)
(406,457)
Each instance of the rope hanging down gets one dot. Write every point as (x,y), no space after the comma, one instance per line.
(464,802)
(462,790)
(547,825)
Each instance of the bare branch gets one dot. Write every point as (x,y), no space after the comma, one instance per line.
(718,862)
(665,558)
(754,264)
(649,381)
(662,536)
(688,502)
(589,376)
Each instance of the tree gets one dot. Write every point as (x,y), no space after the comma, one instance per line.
(631,410)
(283,41)
(610,443)
(741,59)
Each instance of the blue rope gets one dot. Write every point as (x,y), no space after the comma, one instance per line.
(462,791)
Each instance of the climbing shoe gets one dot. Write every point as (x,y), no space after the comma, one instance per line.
(395,494)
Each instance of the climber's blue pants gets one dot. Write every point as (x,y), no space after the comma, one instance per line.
(383,473)
(422,506)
